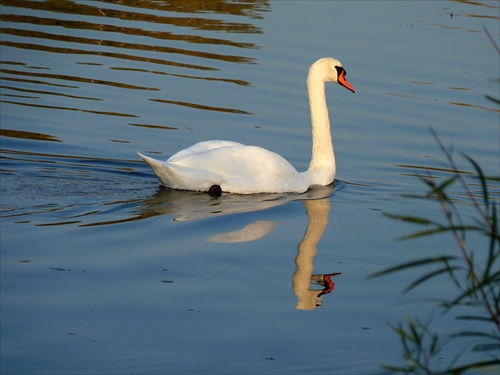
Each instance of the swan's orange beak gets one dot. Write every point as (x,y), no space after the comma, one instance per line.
(343,81)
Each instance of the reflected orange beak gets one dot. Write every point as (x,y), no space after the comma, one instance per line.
(343,82)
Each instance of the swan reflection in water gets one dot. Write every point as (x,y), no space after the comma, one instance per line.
(187,206)
(308,299)
(318,211)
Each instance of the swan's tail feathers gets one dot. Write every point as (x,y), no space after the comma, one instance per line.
(161,170)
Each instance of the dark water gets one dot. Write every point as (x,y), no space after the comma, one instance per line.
(103,271)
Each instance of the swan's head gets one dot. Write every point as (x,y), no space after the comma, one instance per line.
(330,70)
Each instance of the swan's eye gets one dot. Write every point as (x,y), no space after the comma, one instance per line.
(340,70)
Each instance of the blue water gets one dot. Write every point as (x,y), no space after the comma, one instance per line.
(102,271)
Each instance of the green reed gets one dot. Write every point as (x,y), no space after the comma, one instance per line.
(475,274)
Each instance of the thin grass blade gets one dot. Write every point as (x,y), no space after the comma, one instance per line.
(430,275)
(413,264)
(482,178)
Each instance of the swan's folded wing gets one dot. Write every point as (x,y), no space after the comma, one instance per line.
(201,147)
(235,168)
(245,169)
(181,177)
(239,161)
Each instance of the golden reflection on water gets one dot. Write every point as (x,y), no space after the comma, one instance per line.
(154,126)
(119,56)
(318,212)
(27,135)
(201,106)
(45,93)
(76,79)
(137,31)
(115,44)
(251,9)
(235,81)
(494,110)
(107,113)
(309,298)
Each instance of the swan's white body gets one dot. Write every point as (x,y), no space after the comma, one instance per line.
(241,169)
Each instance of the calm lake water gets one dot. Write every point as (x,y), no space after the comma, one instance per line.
(103,271)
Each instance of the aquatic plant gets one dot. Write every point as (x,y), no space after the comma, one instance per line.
(474,273)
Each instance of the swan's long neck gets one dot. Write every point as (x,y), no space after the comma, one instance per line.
(322,167)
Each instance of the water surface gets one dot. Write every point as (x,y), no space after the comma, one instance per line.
(103,271)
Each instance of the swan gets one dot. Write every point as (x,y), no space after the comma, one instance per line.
(225,166)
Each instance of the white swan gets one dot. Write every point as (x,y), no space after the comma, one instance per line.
(216,166)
